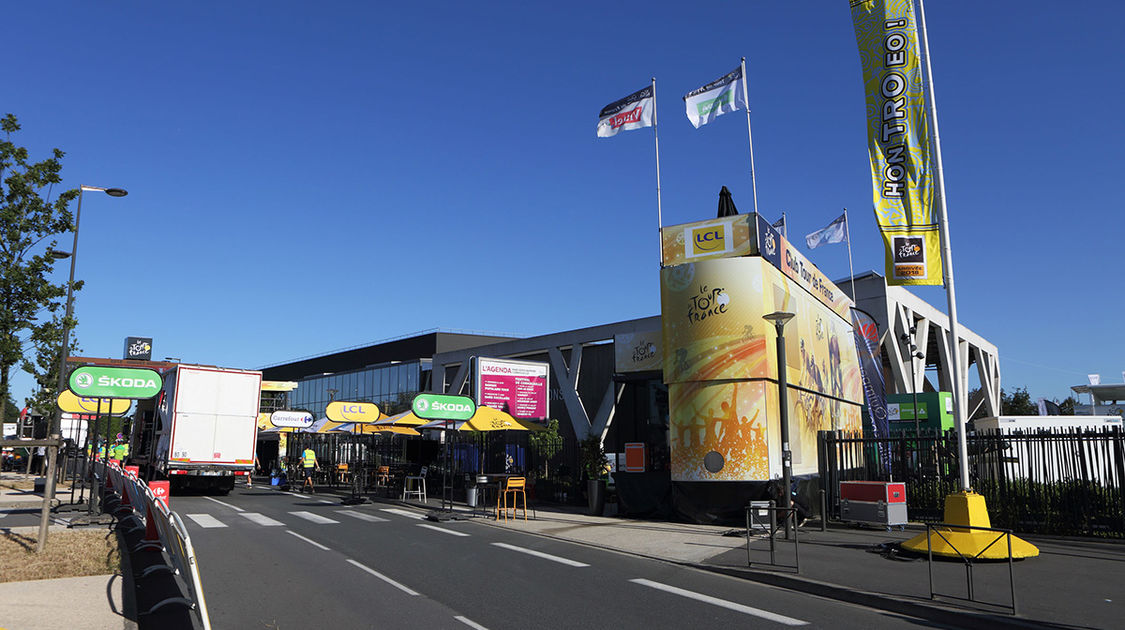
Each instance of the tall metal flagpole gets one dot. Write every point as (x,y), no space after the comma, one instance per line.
(659,217)
(851,270)
(753,180)
(959,402)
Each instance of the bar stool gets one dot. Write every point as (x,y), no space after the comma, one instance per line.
(414,486)
(514,486)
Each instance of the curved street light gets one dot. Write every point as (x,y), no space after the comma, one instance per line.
(64,353)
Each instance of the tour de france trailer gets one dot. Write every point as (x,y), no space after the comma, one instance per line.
(201,431)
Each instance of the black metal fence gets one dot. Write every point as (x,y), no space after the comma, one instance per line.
(1066,482)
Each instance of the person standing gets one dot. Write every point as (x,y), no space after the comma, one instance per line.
(309,463)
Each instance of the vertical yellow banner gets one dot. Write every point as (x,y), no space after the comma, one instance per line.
(898,136)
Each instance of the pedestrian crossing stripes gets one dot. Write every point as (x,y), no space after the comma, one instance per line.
(363,516)
(315,518)
(451,532)
(406,513)
(206,520)
(260,519)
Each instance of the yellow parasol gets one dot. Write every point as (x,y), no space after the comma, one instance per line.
(404,419)
(487,419)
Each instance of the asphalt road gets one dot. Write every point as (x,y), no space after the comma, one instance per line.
(276,560)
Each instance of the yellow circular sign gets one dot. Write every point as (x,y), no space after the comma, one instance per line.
(71,403)
(360,412)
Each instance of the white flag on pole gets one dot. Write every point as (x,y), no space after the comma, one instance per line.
(718,97)
(834,232)
(632,112)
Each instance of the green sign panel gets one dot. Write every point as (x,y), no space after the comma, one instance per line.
(92,381)
(444,407)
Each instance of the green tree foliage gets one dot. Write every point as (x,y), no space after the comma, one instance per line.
(30,304)
(1018,403)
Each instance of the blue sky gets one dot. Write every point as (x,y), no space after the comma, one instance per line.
(309,176)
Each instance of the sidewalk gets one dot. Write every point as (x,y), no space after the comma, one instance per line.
(1074,583)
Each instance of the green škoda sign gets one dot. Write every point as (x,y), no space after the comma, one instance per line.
(92,381)
(443,407)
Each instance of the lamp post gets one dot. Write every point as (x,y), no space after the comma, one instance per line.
(779,319)
(907,340)
(64,353)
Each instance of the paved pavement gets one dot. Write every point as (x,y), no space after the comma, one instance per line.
(1075,583)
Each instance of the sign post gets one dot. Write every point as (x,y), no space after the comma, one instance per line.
(449,408)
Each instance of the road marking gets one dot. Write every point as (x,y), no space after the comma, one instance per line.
(406,513)
(764,614)
(401,587)
(443,530)
(206,520)
(316,518)
(308,540)
(540,554)
(235,508)
(325,501)
(470,622)
(363,516)
(260,519)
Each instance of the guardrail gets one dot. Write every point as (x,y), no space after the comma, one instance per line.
(164,531)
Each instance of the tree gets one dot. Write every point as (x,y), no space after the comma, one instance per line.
(29,218)
(1018,403)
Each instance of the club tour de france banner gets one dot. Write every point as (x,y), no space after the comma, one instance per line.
(720,357)
(899,140)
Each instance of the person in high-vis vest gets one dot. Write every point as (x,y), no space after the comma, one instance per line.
(309,463)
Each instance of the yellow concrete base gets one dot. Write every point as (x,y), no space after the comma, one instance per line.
(967,508)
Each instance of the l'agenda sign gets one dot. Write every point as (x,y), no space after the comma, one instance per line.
(93,381)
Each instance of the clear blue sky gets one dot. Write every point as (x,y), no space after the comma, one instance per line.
(305,176)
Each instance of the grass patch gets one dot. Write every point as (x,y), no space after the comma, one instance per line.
(70,553)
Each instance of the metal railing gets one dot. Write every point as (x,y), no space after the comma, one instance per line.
(788,522)
(164,530)
(1004,534)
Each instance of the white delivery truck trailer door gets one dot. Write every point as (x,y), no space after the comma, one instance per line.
(216,416)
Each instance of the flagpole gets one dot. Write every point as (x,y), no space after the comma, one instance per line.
(659,216)
(753,180)
(947,259)
(851,270)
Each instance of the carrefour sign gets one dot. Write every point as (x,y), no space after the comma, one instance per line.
(340,411)
(291,419)
(112,382)
(443,407)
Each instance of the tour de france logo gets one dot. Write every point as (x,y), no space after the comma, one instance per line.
(83,380)
(771,244)
(708,303)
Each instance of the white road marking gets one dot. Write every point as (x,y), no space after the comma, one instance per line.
(363,516)
(206,520)
(401,587)
(233,507)
(764,614)
(316,518)
(540,554)
(443,530)
(406,513)
(325,501)
(260,519)
(308,540)
(470,622)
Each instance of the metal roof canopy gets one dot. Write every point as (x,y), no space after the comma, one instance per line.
(1104,393)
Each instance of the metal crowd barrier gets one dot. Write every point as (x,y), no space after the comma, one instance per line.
(164,530)
(788,522)
(1002,534)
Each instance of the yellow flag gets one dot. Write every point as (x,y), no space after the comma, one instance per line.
(898,136)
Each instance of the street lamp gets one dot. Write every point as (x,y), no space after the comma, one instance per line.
(779,319)
(64,351)
(907,340)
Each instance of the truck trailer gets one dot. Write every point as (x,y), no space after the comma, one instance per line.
(200,432)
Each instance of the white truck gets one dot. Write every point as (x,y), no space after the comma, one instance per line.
(200,432)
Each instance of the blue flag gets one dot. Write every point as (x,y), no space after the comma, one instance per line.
(834,232)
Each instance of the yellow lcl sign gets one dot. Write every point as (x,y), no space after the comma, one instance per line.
(352,412)
(71,403)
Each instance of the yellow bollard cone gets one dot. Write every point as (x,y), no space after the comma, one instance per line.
(967,508)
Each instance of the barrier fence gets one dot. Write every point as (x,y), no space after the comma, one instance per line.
(1061,481)
(163,531)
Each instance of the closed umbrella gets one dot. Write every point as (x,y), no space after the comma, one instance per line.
(726,204)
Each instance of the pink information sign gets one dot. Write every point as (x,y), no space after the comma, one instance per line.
(520,387)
